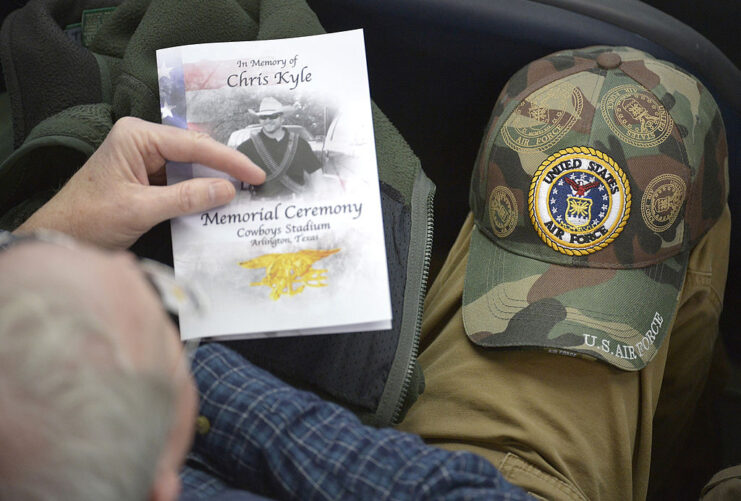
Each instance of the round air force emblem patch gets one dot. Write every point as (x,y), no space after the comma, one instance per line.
(636,116)
(662,201)
(579,200)
(542,119)
(502,211)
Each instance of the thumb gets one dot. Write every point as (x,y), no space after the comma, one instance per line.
(187,197)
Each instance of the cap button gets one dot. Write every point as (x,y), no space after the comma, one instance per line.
(609,60)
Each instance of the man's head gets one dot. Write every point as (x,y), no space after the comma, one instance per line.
(95,398)
(271,115)
(271,123)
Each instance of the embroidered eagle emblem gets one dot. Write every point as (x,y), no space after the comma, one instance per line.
(579,200)
(580,190)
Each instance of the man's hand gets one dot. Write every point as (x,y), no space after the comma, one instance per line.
(111,200)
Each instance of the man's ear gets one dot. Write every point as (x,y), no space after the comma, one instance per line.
(166,486)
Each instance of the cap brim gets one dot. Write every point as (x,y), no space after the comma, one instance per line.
(620,316)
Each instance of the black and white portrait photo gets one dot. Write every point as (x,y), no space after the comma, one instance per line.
(280,149)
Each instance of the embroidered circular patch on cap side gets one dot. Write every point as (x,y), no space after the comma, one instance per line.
(636,116)
(502,211)
(543,118)
(579,200)
(662,201)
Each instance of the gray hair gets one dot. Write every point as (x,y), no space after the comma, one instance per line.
(78,419)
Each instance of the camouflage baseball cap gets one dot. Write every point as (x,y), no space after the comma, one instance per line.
(600,170)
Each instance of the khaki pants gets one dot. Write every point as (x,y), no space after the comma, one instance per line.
(562,427)
(725,485)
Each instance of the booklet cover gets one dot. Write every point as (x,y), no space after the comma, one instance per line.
(304,252)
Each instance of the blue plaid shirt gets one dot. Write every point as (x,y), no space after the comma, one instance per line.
(270,438)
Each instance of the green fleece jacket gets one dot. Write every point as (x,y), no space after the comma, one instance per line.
(66,97)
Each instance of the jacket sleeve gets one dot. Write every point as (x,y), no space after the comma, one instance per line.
(273,439)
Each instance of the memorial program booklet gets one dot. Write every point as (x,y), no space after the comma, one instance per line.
(303,253)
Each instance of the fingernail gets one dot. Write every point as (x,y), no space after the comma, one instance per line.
(220,192)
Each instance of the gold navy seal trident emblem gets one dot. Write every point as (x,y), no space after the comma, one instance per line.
(579,201)
(289,273)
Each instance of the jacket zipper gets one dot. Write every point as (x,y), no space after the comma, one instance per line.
(422,287)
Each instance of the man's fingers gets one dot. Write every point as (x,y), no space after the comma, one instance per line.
(187,197)
(180,145)
(198,147)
